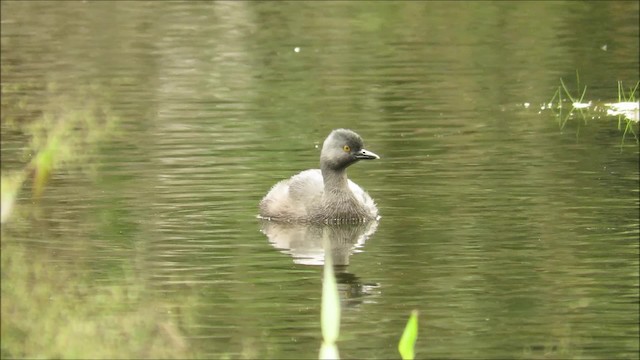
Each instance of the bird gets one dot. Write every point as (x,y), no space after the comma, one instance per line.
(325,195)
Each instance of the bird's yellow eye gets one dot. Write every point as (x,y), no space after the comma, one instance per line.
(346,148)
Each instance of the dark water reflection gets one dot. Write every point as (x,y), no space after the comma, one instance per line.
(514,237)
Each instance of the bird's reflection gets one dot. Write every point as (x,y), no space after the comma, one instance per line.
(353,291)
(305,243)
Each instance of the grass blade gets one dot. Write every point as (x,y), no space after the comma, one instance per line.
(330,313)
(409,336)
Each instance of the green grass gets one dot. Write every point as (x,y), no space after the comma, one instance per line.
(627,97)
(577,99)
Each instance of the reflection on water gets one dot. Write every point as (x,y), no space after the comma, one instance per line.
(305,242)
(355,291)
(307,245)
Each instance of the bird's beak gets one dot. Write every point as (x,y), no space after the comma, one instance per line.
(366,155)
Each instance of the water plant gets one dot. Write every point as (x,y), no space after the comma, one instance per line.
(330,313)
(330,316)
(626,108)
(409,337)
(576,100)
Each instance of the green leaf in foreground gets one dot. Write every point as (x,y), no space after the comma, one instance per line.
(330,316)
(329,352)
(409,336)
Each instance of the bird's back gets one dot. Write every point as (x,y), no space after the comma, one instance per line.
(291,199)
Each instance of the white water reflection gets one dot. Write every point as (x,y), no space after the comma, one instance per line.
(305,242)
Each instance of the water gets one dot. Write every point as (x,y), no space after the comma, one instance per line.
(513,236)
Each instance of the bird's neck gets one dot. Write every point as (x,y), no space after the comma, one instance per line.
(335,181)
(339,204)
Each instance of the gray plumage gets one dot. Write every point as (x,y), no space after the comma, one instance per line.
(324,195)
